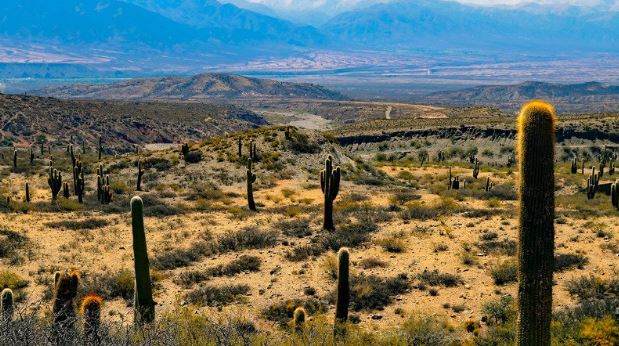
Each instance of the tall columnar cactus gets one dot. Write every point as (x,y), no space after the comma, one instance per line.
(65,290)
(54,180)
(251,178)
(343,287)
(185,150)
(31,155)
(100,148)
(27,198)
(476,169)
(449,183)
(91,310)
(140,174)
(330,185)
(65,190)
(143,297)
(614,194)
(240,147)
(14,159)
(574,166)
(455,184)
(298,319)
(106,191)
(536,143)
(253,152)
(6,304)
(80,185)
(99,182)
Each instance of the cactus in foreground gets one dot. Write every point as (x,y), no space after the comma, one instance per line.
(6,304)
(536,143)
(54,180)
(27,193)
(343,287)
(91,310)
(299,319)
(574,166)
(476,169)
(330,185)
(251,178)
(144,306)
(65,290)
(140,174)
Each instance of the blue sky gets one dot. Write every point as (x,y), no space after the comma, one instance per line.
(341,4)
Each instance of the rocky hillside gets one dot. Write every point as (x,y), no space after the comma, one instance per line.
(30,119)
(199,87)
(583,97)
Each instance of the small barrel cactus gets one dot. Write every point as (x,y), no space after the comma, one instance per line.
(6,304)
(343,286)
(65,290)
(299,319)
(91,311)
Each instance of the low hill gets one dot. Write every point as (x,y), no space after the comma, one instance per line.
(29,119)
(199,87)
(583,97)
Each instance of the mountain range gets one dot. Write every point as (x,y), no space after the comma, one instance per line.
(580,97)
(199,87)
(171,36)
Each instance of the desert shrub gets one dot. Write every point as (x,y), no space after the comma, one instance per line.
(158,163)
(428,332)
(193,156)
(12,245)
(282,312)
(371,292)
(500,247)
(369,263)
(392,243)
(119,284)
(565,262)
(217,295)
(435,278)
(421,211)
(246,238)
(300,143)
(88,224)
(294,228)
(244,263)
(500,317)
(504,273)
(9,279)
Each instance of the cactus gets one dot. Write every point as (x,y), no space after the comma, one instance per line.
(65,290)
(611,169)
(31,155)
(476,169)
(343,287)
(144,306)
(455,184)
(185,150)
(574,166)
(450,182)
(65,190)
(240,149)
(251,178)
(27,197)
(487,184)
(614,194)
(536,143)
(299,319)
(330,185)
(54,180)
(253,152)
(100,148)
(80,184)
(6,304)
(140,174)
(14,159)
(106,191)
(582,169)
(91,310)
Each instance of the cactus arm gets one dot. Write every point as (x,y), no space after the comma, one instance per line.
(143,296)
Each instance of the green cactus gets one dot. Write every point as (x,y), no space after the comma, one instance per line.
(251,178)
(343,288)
(6,304)
(476,169)
(27,198)
(91,310)
(54,180)
(253,152)
(106,191)
(14,159)
(65,290)
(298,319)
(574,166)
(330,185)
(80,184)
(536,143)
(100,148)
(65,190)
(140,174)
(449,183)
(144,306)
(31,155)
(240,148)
(455,184)
(185,150)
(614,194)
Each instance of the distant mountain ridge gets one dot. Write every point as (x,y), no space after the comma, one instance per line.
(198,87)
(581,97)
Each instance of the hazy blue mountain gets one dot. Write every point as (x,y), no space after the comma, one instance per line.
(440,24)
